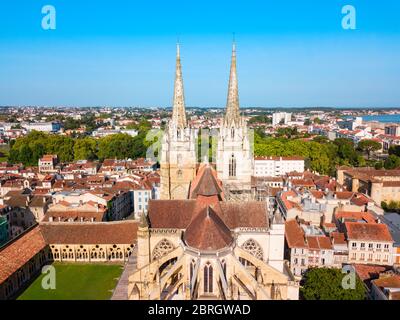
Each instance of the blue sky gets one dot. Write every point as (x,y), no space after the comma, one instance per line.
(122,52)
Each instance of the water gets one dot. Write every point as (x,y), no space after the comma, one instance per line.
(383,118)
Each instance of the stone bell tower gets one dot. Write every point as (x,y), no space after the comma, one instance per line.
(234,156)
(178,149)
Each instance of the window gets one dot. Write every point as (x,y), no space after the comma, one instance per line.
(208,278)
(378,246)
(354,245)
(252,247)
(362,246)
(162,248)
(232,133)
(370,246)
(232,166)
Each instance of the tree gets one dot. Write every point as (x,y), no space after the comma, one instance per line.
(369,146)
(85,149)
(326,284)
(395,150)
(346,152)
(321,139)
(120,146)
(392,162)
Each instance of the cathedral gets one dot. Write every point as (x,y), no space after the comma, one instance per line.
(205,238)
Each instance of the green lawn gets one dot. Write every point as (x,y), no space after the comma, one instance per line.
(77,282)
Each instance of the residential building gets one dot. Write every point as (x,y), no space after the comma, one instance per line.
(47,163)
(392,130)
(369,243)
(387,287)
(307,246)
(379,185)
(281,117)
(277,166)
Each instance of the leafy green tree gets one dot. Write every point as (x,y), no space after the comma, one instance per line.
(369,146)
(326,284)
(85,149)
(25,155)
(395,150)
(346,152)
(392,162)
(378,165)
(71,124)
(120,146)
(321,139)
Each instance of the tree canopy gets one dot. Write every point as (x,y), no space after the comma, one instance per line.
(326,284)
(369,146)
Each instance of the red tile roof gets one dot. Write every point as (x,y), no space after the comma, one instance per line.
(294,235)
(368,231)
(208,232)
(119,232)
(16,254)
(367,272)
(388,282)
(355,215)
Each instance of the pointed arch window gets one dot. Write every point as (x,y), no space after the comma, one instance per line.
(252,247)
(232,166)
(162,248)
(232,133)
(208,278)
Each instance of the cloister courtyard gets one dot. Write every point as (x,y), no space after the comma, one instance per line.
(76,282)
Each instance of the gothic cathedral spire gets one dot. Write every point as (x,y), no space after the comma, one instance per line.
(178,111)
(232,115)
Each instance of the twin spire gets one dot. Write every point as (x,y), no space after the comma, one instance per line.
(178,110)
(232,113)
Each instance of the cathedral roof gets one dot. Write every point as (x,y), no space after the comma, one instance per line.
(177,214)
(205,183)
(207,231)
